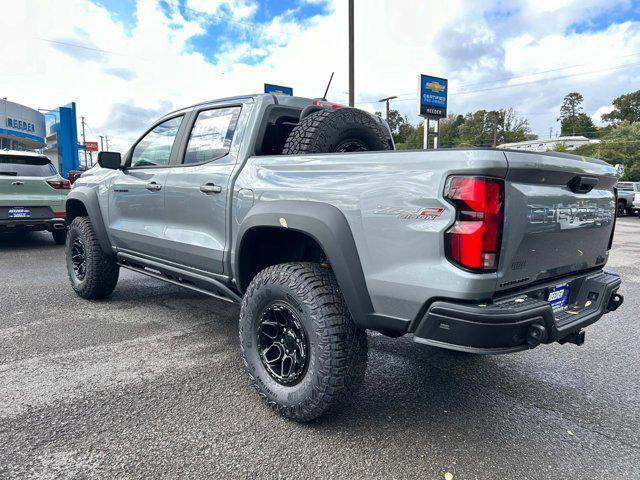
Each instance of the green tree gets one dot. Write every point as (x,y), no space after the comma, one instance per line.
(573,121)
(626,108)
(491,128)
(449,131)
(620,145)
(396,122)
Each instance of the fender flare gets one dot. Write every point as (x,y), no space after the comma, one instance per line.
(88,197)
(330,229)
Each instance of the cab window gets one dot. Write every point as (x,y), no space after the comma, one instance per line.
(211,135)
(154,149)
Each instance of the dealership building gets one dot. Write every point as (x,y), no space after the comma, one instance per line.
(21,127)
(53,132)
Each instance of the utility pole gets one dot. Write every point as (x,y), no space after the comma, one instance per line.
(352,94)
(84,142)
(106,141)
(387,100)
(101,138)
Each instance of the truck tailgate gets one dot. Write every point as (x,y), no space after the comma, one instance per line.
(559,215)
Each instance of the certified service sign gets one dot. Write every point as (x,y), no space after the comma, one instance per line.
(433,96)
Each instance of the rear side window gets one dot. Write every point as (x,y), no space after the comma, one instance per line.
(211,135)
(154,149)
(26,167)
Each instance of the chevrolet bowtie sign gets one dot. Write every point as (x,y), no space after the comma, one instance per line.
(433,96)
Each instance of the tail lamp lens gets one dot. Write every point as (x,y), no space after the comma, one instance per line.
(474,240)
(59,184)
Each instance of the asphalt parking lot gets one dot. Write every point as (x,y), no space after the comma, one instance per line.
(149,384)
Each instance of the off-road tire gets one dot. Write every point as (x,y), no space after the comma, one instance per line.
(335,130)
(621,209)
(59,236)
(101,272)
(337,347)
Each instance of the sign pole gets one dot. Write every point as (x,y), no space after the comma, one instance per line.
(436,135)
(425,136)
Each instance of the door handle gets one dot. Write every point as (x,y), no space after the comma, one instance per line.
(154,187)
(210,188)
(18,182)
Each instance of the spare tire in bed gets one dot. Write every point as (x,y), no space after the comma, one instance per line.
(337,130)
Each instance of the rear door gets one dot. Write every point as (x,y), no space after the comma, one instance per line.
(197,190)
(24,191)
(136,195)
(559,216)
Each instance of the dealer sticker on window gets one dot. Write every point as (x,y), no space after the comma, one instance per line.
(19,212)
(558,297)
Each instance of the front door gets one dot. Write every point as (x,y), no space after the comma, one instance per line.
(197,191)
(136,196)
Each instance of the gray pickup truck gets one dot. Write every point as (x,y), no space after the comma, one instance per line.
(301,212)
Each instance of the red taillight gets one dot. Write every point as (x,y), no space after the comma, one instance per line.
(60,214)
(324,103)
(474,240)
(59,184)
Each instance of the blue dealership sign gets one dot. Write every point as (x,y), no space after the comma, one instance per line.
(433,96)
(279,89)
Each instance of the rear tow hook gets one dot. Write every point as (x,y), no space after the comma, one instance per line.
(536,335)
(577,338)
(615,301)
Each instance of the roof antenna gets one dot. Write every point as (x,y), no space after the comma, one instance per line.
(328,85)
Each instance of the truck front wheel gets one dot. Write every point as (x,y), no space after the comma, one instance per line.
(301,349)
(93,274)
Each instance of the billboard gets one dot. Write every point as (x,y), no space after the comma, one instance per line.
(433,96)
(279,89)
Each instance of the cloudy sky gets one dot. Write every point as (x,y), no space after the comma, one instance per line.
(126,62)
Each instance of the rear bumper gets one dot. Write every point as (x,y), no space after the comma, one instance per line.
(521,321)
(57,223)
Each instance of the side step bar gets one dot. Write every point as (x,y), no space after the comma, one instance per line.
(192,281)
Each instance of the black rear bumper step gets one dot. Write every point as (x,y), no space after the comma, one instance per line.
(520,322)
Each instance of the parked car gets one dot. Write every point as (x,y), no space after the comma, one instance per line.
(300,212)
(636,198)
(32,194)
(626,194)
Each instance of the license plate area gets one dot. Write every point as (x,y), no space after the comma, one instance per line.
(19,212)
(558,297)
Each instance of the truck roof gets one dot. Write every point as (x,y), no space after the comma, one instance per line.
(286,99)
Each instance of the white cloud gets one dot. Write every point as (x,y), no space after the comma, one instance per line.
(141,72)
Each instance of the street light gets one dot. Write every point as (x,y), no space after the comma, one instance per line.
(387,100)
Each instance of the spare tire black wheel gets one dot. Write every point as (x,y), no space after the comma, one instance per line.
(337,130)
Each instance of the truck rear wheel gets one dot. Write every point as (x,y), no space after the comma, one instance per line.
(93,274)
(301,349)
(337,130)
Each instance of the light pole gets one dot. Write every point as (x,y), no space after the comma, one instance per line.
(387,100)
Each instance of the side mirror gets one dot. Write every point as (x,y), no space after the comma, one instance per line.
(112,160)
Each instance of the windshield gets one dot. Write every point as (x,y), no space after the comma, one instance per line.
(14,166)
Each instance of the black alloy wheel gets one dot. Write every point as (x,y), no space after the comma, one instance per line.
(79,258)
(283,344)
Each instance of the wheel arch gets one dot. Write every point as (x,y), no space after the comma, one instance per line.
(322,229)
(83,201)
